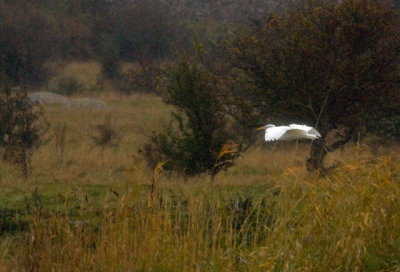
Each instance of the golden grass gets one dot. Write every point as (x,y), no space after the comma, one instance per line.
(347,221)
(88,209)
(86,73)
(82,161)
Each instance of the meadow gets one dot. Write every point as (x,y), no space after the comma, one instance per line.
(88,208)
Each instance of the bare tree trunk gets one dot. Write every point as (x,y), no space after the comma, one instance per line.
(317,155)
(332,140)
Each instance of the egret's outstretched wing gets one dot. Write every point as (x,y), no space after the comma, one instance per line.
(301,127)
(294,133)
(309,130)
(274,133)
(313,131)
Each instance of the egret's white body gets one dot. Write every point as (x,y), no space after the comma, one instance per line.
(291,132)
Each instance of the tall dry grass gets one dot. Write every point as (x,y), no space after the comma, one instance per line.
(347,221)
(91,209)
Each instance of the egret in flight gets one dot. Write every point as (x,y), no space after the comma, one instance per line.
(291,132)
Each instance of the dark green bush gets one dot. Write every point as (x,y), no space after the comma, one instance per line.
(193,141)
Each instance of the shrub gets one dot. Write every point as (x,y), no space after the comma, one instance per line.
(107,135)
(191,143)
(66,85)
(20,127)
(142,78)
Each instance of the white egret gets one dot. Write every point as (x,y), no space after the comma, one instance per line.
(291,132)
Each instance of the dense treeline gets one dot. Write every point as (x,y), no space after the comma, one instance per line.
(35,31)
(32,32)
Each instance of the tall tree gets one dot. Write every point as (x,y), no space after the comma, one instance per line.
(332,64)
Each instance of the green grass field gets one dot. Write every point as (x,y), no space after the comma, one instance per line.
(85,208)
